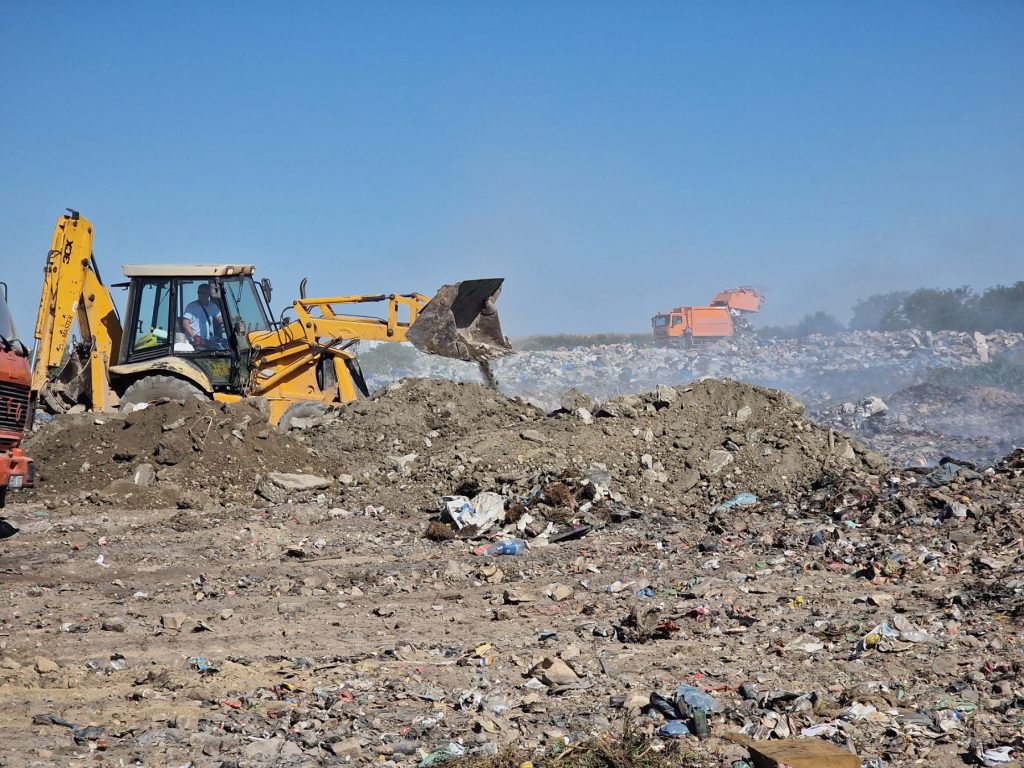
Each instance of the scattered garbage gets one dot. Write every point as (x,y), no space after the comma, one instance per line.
(686,712)
(510,547)
(739,500)
(482,512)
(81,734)
(319,624)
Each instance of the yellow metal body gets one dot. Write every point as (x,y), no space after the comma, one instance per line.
(283,363)
(284,360)
(72,290)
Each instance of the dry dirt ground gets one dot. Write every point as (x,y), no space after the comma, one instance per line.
(198,611)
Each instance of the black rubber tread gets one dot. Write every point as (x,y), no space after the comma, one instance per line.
(155,386)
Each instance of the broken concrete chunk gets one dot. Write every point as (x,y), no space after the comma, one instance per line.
(554,671)
(145,475)
(664,395)
(297,483)
(717,460)
(114,624)
(516,595)
(173,621)
(403,464)
(45,666)
(560,592)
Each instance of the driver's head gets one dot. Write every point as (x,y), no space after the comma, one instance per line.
(204,293)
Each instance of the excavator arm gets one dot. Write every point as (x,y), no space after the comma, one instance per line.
(460,322)
(66,373)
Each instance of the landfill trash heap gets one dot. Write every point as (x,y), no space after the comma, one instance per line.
(443,572)
(816,369)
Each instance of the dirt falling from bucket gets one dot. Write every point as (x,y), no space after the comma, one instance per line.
(488,373)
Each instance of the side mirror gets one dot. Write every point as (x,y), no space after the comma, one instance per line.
(267,289)
(5,290)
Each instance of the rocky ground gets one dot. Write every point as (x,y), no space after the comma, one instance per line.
(192,587)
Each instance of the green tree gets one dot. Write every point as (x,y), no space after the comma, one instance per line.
(1001,308)
(818,322)
(934,309)
(869,313)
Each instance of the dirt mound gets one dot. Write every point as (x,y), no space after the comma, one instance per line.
(675,447)
(197,452)
(419,439)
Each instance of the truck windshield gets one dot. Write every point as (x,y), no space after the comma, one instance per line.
(244,303)
(659,321)
(6,321)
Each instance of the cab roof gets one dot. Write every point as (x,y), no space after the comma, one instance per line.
(187,270)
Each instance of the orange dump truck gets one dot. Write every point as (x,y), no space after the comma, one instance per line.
(719,320)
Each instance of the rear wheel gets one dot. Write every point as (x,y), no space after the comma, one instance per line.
(156,387)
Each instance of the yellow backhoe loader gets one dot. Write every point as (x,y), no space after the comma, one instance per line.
(205,330)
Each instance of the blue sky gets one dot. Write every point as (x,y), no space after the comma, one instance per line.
(609,159)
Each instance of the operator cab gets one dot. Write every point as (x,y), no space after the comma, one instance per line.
(200,312)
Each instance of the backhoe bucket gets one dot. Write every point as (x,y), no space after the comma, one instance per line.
(461,322)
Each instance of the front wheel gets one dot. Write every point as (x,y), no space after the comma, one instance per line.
(156,387)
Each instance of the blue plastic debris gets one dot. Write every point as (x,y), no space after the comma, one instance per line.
(673,729)
(690,699)
(739,500)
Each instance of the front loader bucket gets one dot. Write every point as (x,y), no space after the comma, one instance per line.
(461,322)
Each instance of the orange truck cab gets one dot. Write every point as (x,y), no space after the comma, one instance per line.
(16,469)
(687,325)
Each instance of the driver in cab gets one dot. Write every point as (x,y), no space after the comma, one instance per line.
(202,319)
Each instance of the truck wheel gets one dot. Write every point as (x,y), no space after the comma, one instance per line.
(150,388)
(300,411)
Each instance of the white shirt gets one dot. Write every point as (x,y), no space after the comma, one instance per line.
(201,318)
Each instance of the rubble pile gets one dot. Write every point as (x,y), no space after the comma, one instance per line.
(919,425)
(671,447)
(440,573)
(170,453)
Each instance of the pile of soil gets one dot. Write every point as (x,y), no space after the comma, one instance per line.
(199,452)
(419,439)
(672,448)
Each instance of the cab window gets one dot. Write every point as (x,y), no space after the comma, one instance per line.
(199,318)
(244,305)
(152,316)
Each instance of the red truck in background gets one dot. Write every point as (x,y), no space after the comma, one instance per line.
(16,469)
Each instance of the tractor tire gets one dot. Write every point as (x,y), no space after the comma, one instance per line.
(300,411)
(154,387)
